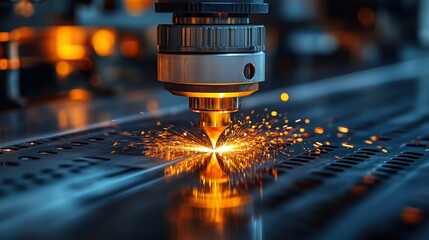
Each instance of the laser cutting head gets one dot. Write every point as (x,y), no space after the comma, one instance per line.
(212,55)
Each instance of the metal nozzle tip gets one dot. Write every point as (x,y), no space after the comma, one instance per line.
(214,115)
(213,133)
(214,124)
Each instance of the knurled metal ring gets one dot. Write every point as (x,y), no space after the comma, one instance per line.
(212,7)
(209,20)
(212,88)
(211,38)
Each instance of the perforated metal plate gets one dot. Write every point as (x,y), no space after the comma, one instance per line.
(84,185)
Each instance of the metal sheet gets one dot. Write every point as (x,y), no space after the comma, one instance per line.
(84,184)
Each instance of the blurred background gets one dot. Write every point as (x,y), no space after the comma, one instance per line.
(102,50)
(99,48)
(78,86)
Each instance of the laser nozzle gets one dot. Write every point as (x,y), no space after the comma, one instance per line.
(214,124)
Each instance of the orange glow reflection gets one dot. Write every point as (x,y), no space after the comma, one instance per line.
(4,36)
(130,46)
(62,119)
(215,190)
(3,64)
(412,215)
(212,208)
(103,42)
(72,117)
(24,8)
(79,95)
(135,7)
(24,35)
(366,16)
(8,64)
(70,43)
(63,69)
(152,105)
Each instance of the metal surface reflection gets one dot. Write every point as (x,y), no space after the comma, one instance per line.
(422,98)
(214,210)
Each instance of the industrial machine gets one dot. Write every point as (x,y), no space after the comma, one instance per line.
(213,56)
(334,145)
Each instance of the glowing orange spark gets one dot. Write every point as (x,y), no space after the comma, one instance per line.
(319,130)
(343,129)
(284,97)
(347,145)
(245,145)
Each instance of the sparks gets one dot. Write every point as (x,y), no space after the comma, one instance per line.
(247,144)
(319,130)
(347,145)
(284,97)
(343,129)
